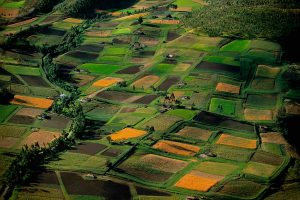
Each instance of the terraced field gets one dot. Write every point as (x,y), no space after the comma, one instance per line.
(168,112)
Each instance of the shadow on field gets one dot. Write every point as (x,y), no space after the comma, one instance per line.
(115,4)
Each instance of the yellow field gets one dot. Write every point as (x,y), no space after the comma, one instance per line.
(230,140)
(127,133)
(99,33)
(31,101)
(108,81)
(134,16)
(146,82)
(163,21)
(177,148)
(181,9)
(225,87)
(198,181)
(73,20)
(182,67)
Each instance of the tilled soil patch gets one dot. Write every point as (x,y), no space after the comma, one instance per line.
(14,79)
(111,152)
(218,67)
(53,31)
(146,99)
(35,81)
(166,84)
(150,192)
(48,177)
(21,119)
(114,95)
(129,70)
(56,121)
(88,148)
(91,48)
(172,36)
(82,55)
(108,189)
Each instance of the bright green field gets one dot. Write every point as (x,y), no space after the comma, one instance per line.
(237,45)
(161,69)
(17,4)
(6,110)
(103,69)
(185,114)
(222,106)
(121,31)
(187,3)
(114,51)
(22,70)
(222,60)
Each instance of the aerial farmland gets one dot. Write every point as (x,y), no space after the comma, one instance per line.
(149,99)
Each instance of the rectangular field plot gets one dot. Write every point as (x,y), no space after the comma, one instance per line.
(118,96)
(101,69)
(146,81)
(79,162)
(40,191)
(35,81)
(10,135)
(228,88)
(194,133)
(102,112)
(176,148)
(198,181)
(26,116)
(6,110)
(182,113)
(264,100)
(260,169)
(217,168)
(169,82)
(216,67)
(237,45)
(88,148)
(230,140)
(42,137)
(263,83)
(152,167)
(223,106)
(267,158)
(127,133)
(162,122)
(267,71)
(32,101)
(55,121)
(242,189)
(232,153)
(258,115)
(22,70)
(147,99)
(94,189)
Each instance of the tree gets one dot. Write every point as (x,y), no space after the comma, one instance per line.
(140,20)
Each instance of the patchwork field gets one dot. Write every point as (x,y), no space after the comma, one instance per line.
(151,106)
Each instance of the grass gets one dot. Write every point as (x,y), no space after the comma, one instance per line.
(237,45)
(223,60)
(121,31)
(162,122)
(222,106)
(115,51)
(13,4)
(103,69)
(187,3)
(260,169)
(110,59)
(161,69)
(271,148)
(22,70)
(6,110)
(182,113)
(218,168)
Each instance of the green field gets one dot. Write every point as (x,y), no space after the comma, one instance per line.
(222,106)
(101,69)
(6,110)
(22,70)
(237,45)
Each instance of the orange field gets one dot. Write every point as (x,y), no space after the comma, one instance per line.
(134,16)
(258,115)
(177,148)
(225,87)
(105,82)
(9,12)
(42,137)
(162,21)
(127,133)
(73,20)
(273,137)
(146,82)
(230,140)
(163,163)
(116,14)
(31,101)
(28,21)
(198,181)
